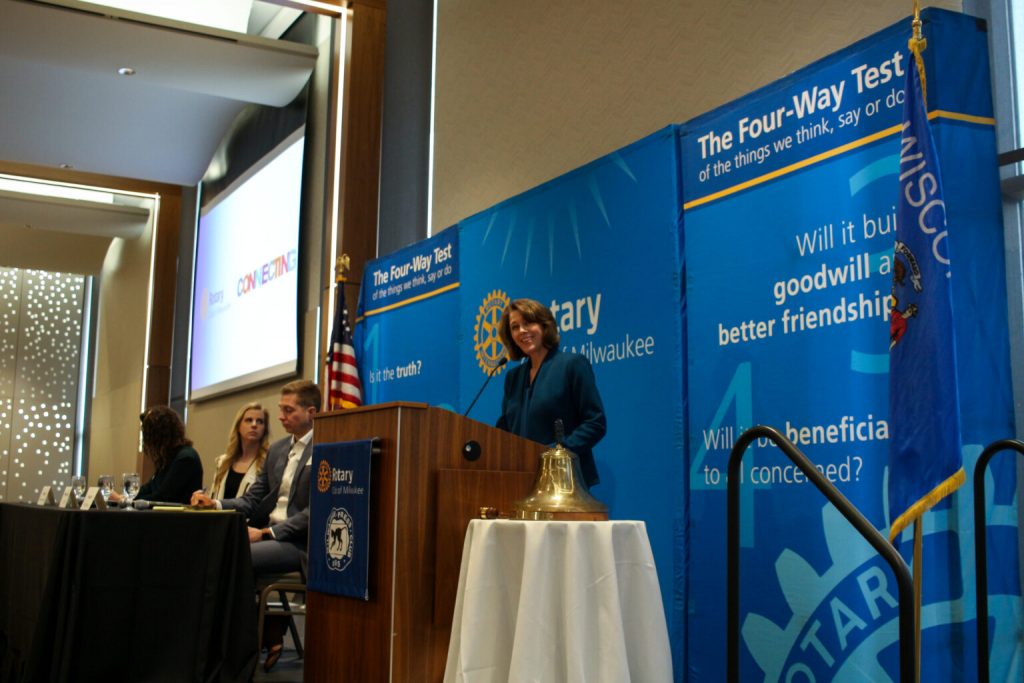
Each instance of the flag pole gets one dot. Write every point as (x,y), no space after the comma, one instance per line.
(926,459)
(917,45)
(918,571)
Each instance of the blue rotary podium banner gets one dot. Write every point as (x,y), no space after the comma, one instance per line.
(790,199)
(339,518)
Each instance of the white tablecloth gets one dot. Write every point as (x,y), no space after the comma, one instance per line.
(558,602)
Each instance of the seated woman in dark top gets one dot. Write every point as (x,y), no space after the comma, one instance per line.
(550,385)
(179,471)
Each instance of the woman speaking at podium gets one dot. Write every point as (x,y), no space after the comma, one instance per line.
(550,385)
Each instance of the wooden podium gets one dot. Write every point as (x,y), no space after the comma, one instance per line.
(424,493)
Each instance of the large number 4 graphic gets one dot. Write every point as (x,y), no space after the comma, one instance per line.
(738,396)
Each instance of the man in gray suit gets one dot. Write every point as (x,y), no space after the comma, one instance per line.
(277,504)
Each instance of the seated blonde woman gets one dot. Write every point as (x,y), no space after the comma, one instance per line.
(248,441)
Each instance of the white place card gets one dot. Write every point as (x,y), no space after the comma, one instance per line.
(46,497)
(92,496)
(68,500)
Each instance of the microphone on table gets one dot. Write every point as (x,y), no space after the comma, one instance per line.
(501,363)
(150,504)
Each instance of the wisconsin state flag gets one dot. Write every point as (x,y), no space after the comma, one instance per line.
(925,462)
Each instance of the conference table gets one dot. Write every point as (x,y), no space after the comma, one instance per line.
(125,595)
(574,602)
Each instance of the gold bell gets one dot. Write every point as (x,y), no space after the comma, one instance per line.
(559,492)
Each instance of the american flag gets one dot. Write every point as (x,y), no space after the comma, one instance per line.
(343,387)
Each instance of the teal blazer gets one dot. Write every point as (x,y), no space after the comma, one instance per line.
(564,389)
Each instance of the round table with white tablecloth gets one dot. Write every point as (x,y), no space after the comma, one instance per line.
(572,602)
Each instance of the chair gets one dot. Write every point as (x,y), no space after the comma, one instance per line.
(282,584)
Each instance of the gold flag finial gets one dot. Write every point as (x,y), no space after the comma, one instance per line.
(341,267)
(917,45)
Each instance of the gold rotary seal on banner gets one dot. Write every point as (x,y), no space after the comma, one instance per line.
(323,477)
(486,341)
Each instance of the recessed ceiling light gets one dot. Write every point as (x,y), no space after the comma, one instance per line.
(126,71)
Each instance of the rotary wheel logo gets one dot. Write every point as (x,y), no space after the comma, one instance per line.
(804,648)
(339,539)
(844,619)
(323,477)
(486,341)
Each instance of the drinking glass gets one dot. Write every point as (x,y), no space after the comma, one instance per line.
(130,482)
(106,484)
(78,487)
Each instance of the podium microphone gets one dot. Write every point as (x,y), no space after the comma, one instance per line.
(501,363)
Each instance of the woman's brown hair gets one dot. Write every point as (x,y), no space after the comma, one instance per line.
(532,312)
(163,434)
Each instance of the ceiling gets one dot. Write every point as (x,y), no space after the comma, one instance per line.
(63,104)
(65,235)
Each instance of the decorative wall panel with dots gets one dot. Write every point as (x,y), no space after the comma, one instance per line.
(40,350)
(10,298)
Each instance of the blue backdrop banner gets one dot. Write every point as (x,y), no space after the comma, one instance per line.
(408,308)
(790,199)
(599,246)
(339,518)
(777,215)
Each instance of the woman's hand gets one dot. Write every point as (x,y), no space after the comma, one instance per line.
(201,500)
(115,497)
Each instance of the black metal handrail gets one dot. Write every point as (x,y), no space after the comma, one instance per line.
(980,554)
(908,664)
